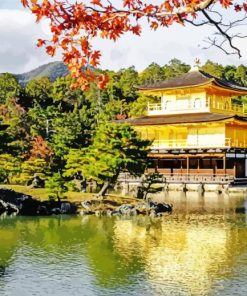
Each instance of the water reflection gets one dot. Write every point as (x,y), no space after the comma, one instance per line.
(186,254)
(201,249)
(208,202)
(2,271)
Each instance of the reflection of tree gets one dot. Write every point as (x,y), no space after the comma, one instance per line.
(110,267)
(55,237)
(2,271)
(9,240)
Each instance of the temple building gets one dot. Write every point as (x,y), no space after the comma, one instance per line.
(198,128)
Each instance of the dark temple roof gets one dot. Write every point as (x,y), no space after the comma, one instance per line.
(181,118)
(194,78)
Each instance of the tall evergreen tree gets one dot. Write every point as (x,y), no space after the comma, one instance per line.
(116,148)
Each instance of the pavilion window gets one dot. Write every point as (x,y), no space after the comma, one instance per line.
(219,163)
(193,163)
(197,103)
(206,163)
(230,163)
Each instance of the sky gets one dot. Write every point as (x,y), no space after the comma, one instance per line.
(19,54)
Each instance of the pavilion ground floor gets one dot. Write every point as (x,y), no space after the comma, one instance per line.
(198,165)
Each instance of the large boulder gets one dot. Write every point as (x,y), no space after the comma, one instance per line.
(160,207)
(29,206)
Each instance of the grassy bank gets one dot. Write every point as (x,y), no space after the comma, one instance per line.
(43,194)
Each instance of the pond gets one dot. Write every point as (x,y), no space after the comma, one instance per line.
(200,249)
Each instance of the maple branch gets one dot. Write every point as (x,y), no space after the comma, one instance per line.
(176,11)
(213,42)
(223,33)
(197,24)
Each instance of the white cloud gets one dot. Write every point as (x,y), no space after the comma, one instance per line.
(18,35)
(184,43)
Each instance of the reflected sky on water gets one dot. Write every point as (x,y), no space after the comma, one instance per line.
(200,249)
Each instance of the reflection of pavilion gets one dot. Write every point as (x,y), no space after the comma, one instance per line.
(205,202)
(183,256)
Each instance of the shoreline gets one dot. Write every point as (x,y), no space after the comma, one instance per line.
(19,203)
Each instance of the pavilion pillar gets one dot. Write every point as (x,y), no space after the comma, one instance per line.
(215,167)
(156,165)
(234,169)
(198,165)
(224,164)
(188,165)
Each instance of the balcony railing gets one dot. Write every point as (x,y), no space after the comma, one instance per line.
(205,176)
(205,105)
(170,144)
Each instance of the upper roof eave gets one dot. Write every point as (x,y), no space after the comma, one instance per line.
(240,90)
(172,88)
(194,79)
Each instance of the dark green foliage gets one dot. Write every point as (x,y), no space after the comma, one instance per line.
(152,74)
(55,186)
(78,127)
(9,167)
(139,106)
(214,69)
(240,75)
(33,168)
(39,91)
(128,83)
(175,68)
(5,137)
(67,132)
(9,87)
(64,98)
(150,185)
(115,148)
(155,73)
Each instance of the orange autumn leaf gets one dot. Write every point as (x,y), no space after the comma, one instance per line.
(40,42)
(102,81)
(136,30)
(154,25)
(96,2)
(95,58)
(51,50)
(24,3)
(40,149)
(226,3)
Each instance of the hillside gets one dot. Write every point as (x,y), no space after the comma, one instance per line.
(52,70)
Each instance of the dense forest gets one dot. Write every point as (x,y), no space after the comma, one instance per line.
(62,137)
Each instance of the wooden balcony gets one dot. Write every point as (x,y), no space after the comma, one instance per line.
(210,104)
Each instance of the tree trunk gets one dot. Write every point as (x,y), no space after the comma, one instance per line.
(58,198)
(107,184)
(104,189)
(147,191)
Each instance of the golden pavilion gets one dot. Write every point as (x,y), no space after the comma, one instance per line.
(196,128)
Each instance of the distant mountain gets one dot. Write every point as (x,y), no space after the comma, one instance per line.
(52,70)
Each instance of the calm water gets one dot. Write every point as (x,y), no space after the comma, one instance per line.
(201,249)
